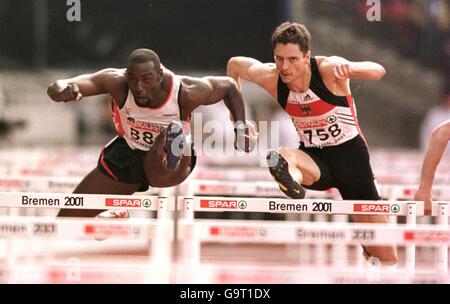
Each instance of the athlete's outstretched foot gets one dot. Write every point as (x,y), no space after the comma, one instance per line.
(173,145)
(279,169)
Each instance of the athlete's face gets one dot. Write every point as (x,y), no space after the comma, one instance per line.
(143,80)
(291,63)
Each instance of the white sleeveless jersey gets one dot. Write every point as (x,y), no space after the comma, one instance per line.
(141,126)
(319,123)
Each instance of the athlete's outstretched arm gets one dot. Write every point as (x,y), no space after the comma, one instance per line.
(249,69)
(342,69)
(436,147)
(83,85)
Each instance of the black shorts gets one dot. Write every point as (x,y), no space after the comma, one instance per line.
(345,167)
(121,163)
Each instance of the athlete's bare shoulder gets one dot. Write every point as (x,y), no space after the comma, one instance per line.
(326,61)
(192,87)
(320,59)
(188,80)
(115,82)
(114,76)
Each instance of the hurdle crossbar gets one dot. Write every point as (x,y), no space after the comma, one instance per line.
(303,206)
(84,201)
(14,227)
(318,233)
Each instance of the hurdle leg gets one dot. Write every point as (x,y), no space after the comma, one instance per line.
(304,251)
(321,250)
(425,254)
(161,244)
(442,219)
(191,243)
(339,252)
(410,249)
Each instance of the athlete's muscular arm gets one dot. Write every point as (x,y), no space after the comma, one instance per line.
(101,82)
(436,147)
(210,90)
(245,68)
(342,69)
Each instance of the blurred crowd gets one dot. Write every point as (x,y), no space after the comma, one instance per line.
(417,28)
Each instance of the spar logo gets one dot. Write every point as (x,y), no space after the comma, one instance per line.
(129,203)
(376,208)
(430,236)
(146,203)
(242,204)
(110,230)
(237,232)
(221,204)
(395,208)
(310,124)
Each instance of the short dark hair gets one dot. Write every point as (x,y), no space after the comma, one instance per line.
(144,55)
(291,32)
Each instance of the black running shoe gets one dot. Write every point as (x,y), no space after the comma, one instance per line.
(279,170)
(174,145)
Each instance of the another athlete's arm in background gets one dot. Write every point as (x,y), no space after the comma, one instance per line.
(436,147)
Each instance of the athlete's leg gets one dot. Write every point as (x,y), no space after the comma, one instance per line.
(356,182)
(301,166)
(98,183)
(386,254)
(290,168)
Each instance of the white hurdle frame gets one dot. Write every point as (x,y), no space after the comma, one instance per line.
(161,204)
(411,210)
(442,220)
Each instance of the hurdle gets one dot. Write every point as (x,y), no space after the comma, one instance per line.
(216,187)
(54,184)
(231,174)
(410,209)
(406,192)
(38,183)
(440,207)
(120,233)
(243,160)
(279,274)
(313,233)
(50,184)
(160,204)
(98,269)
(58,238)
